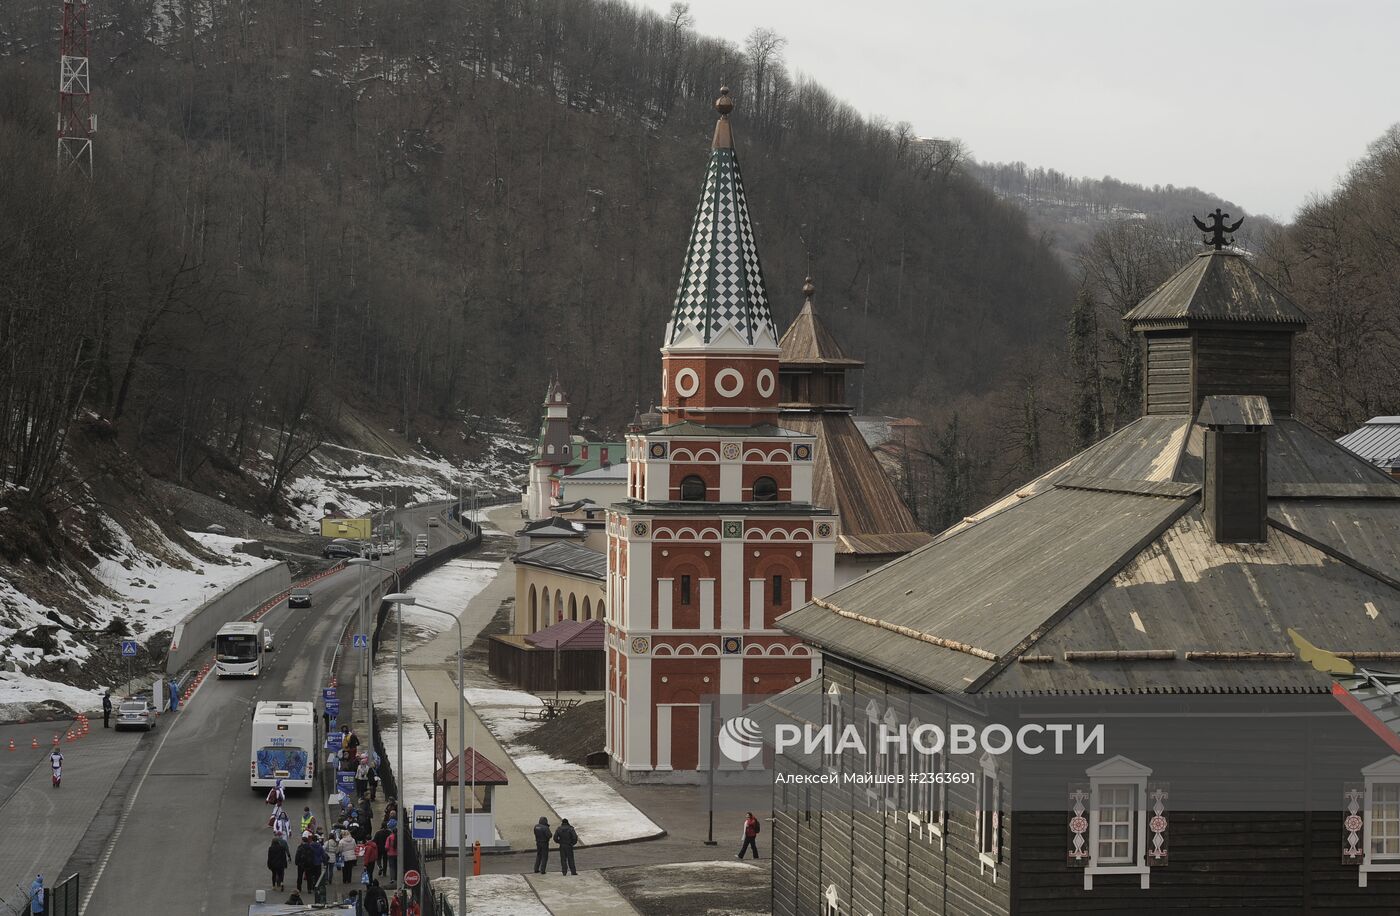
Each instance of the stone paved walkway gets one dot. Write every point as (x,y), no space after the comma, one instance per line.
(43,824)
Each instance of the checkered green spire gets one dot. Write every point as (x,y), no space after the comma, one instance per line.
(721,300)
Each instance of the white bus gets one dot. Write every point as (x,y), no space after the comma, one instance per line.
(283,744)
(238,649)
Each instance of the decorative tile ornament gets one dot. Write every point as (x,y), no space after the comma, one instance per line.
(640,529)
(824,530)
(802,451)
(1077,855)
(733,645)
(734,529)
(640,645)
(730,451)
(722,288)
(658,449)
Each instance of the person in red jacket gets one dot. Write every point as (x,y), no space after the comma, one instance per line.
(369,856)
(391,854)
(751,829)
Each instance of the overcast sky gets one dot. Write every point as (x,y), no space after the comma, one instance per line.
(1260,101)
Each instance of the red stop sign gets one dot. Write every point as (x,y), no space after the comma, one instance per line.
(411,878)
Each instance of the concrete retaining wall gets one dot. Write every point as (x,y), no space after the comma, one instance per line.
(194,634)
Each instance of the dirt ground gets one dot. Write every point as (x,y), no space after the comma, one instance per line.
(571,737)
(696,888)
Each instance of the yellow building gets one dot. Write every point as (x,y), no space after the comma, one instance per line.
(562,580)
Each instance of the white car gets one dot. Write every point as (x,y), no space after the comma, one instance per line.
(137,713)
(433,522)
(420,551)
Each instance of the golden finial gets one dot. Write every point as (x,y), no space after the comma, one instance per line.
(724,104)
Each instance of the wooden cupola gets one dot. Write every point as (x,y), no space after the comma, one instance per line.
(812,366)
(1216,327)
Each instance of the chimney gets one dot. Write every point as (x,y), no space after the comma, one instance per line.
(1235,502)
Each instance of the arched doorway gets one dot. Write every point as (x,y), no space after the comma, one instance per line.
(534,610)
(587,608)
(558,605)
(573,607)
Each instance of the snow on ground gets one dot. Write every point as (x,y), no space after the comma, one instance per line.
(452,586)
(497,895)
(20,693)
(152,594)
(574,791)
(156,596)
(350,478)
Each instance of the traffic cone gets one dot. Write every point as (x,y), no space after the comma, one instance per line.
(34,743)
(55,740)
(70,734)
(12,744)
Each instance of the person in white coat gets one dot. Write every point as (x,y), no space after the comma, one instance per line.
(345,856)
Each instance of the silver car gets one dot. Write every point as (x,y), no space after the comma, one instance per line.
(138,713)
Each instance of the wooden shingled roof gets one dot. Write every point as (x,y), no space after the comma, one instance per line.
(807,342)
(848,477)
(1216,286)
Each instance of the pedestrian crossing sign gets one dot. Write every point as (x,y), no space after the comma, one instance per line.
(360,640)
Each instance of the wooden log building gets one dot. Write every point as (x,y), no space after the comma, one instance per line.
(1164,565)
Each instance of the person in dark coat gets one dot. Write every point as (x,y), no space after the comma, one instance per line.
(381,839)
(106,708)
(542,834)
(567,838)
(277,862)
(305,860)
(376,901)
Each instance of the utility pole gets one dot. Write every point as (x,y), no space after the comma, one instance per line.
(76,122)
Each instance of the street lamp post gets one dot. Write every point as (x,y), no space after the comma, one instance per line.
(364,563)
(401,599)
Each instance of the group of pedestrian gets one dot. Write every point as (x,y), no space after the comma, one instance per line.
(323,856)
(565,836)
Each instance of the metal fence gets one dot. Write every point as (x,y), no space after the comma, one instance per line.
(63,897)
(412,857)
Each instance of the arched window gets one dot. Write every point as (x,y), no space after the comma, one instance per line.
(693,489)
(765,490)
(534,610)
(558,605)
(602,610)
(573,607)
(587,608)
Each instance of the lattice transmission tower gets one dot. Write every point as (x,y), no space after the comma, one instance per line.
(76,122)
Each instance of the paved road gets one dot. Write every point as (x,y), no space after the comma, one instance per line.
(194,838)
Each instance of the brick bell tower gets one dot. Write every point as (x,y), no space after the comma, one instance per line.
(718,535)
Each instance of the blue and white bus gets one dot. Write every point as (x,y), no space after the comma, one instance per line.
(283,744)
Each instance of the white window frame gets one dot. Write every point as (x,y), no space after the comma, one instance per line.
(1119,771)
(927,800)
(873,797)
(988,789)
(831,902)
(1385,771)
(835,717)
(892,762)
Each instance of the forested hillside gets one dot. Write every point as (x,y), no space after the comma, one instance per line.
(1068,210)
(429,207)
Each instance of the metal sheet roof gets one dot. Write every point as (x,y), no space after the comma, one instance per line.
(1378,441)
(570,634)
(479,770)
(1216,286)
(566,557)
(1188,594)
(988,586)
